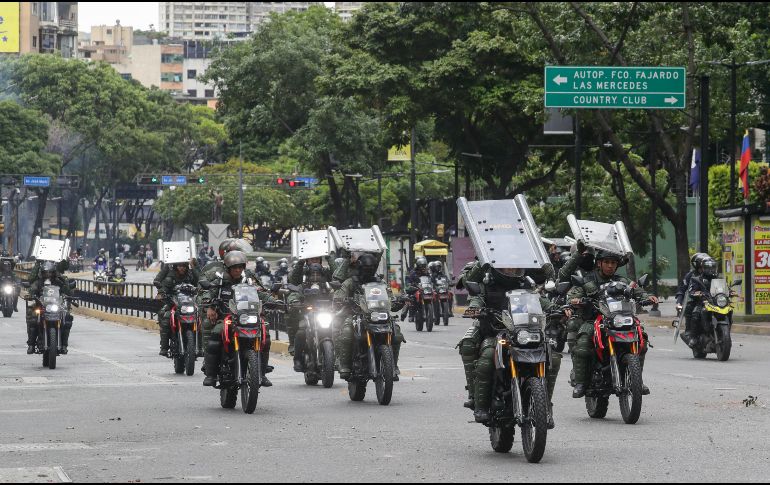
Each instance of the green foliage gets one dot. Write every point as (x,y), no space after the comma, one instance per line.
(719,192)
(23,137)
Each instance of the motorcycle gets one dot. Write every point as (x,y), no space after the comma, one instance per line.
(52,311)
(716,310)
(423,299)
(275,317)
(556,323)
(9,294)
(184,329)
(522,358)
(76,264)
(100,276)
(373,331)
(442,303)
(618,341)
(243,336)
(318,353)
(118,280)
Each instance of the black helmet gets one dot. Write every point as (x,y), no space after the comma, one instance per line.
(602,254)
(421,263)
(435,266)
(564,257)
(235,258)
(315,273)
(48,269)
(710,267)
(697,259)
(508,276)
(260,259)
(367,265)
(284,265)
(224,246)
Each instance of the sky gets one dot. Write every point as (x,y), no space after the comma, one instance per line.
(138,15)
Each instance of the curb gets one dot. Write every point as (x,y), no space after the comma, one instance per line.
(280,347)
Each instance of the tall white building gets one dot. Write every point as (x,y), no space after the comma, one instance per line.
(219,20)
(346,9)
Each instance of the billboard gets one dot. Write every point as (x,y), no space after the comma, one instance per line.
(734,260)
(761,258)
(9,27)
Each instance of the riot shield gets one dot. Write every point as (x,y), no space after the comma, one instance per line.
(51,249)
(363,240)
(504,233)
(171,252)
(600,235)
(681,318)
(311,244)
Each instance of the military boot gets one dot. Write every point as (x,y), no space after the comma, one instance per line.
(164,335)
(299,352)
(292,348)
(645,389)
(65,338)
(396,371)
(211,364)
(31,338)
(483,393)
(265,369)
(346,360)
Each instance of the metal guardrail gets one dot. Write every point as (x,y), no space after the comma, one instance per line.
(133,299)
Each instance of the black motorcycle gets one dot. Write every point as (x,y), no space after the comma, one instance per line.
(184,328)
(373,332)
(556,323)
(522,360)
(318,353)
(716,310)
(52,311)
(9,291)
(442,303)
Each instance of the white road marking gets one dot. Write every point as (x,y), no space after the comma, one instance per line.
(33,474)
(62,476)
(35,380)
(120,366)
(23,411)
(43,447)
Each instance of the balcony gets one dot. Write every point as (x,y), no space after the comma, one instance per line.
(68,25)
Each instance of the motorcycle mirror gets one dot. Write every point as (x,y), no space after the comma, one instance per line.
(563,287)
(578,280)
(737,282)
(282,291)
(644,280)
(473,288)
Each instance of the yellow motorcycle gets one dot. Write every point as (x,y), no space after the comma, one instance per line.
(716,310)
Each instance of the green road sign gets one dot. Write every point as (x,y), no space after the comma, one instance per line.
(615,87)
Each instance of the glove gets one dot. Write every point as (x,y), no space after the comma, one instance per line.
(581,246)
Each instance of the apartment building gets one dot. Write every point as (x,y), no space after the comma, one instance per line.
(43,27)
(346,9)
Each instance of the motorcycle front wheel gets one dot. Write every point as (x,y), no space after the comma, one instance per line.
(447,312)
(428,307)
(419,317)
(189,356)
(356,389)
(327,373)
(384,381)
(631,399)
(597,406)
(724,348)
(250,387)
(501,438)
(534,430)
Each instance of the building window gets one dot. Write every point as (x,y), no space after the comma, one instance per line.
(109,31)
(209,93)
(34,8)
(171,77)
(126,76)
(192,93)
(192,74)
(171,58)
(34,37)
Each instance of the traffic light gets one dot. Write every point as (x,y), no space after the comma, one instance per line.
(280,181)
(148,181)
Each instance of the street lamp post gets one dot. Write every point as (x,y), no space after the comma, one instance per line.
(413,198)
(240,189)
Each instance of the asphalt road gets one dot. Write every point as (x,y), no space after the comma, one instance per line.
(114,410)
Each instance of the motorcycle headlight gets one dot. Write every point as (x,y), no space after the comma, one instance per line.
(8,290)
(378,316)
(249,319)
(324,320)
(188,309)
(524,337)
(52,308)
(722,300)
(623,321)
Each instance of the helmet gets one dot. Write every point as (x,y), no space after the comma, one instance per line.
(315,273)
(421,263)
(240,245)
(235,258)
(284,265)
(563,257)
(601,254)
(48,269)
(435,266)
(101,250)
(697,260)
(224,247)
(117,260)
(260,259)
(507,275)
(367,265)
(709,266)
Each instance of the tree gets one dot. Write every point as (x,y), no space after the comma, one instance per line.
(23,140)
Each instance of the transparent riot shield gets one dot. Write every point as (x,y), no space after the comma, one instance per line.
(600,235)
(504,233)
(51,249)
(364,240)
(311,244)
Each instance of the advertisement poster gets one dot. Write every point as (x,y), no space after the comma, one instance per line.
(9,26)
(761,231)
(734,261)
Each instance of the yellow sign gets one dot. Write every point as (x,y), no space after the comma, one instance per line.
(761,268)
(734,261)
(9,26)
(400,153)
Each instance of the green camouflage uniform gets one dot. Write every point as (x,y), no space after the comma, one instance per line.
(583,350)
(165,282)
(478,345)
(344,340)
(35,288)
(295,325)
(209,274)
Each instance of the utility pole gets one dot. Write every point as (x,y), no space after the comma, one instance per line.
(704,165)
(240,189)
(654,311)
(733,114)
(578,170)
(413,199)
(379,199)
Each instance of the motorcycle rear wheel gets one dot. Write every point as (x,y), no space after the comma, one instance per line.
(631,377)
(534,432)
(250,387)
(419,318)
(189,356)
(723,349)
(384,382)
(53,347)
(428,307)
(327,374)
(228,397)
(356,389)
(8,312)
(178,356)
(501,438)
(447,312)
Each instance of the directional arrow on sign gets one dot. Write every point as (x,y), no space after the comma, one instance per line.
(671,100)
(560,80)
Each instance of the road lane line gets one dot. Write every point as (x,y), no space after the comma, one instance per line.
(43,447)
(62,475)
